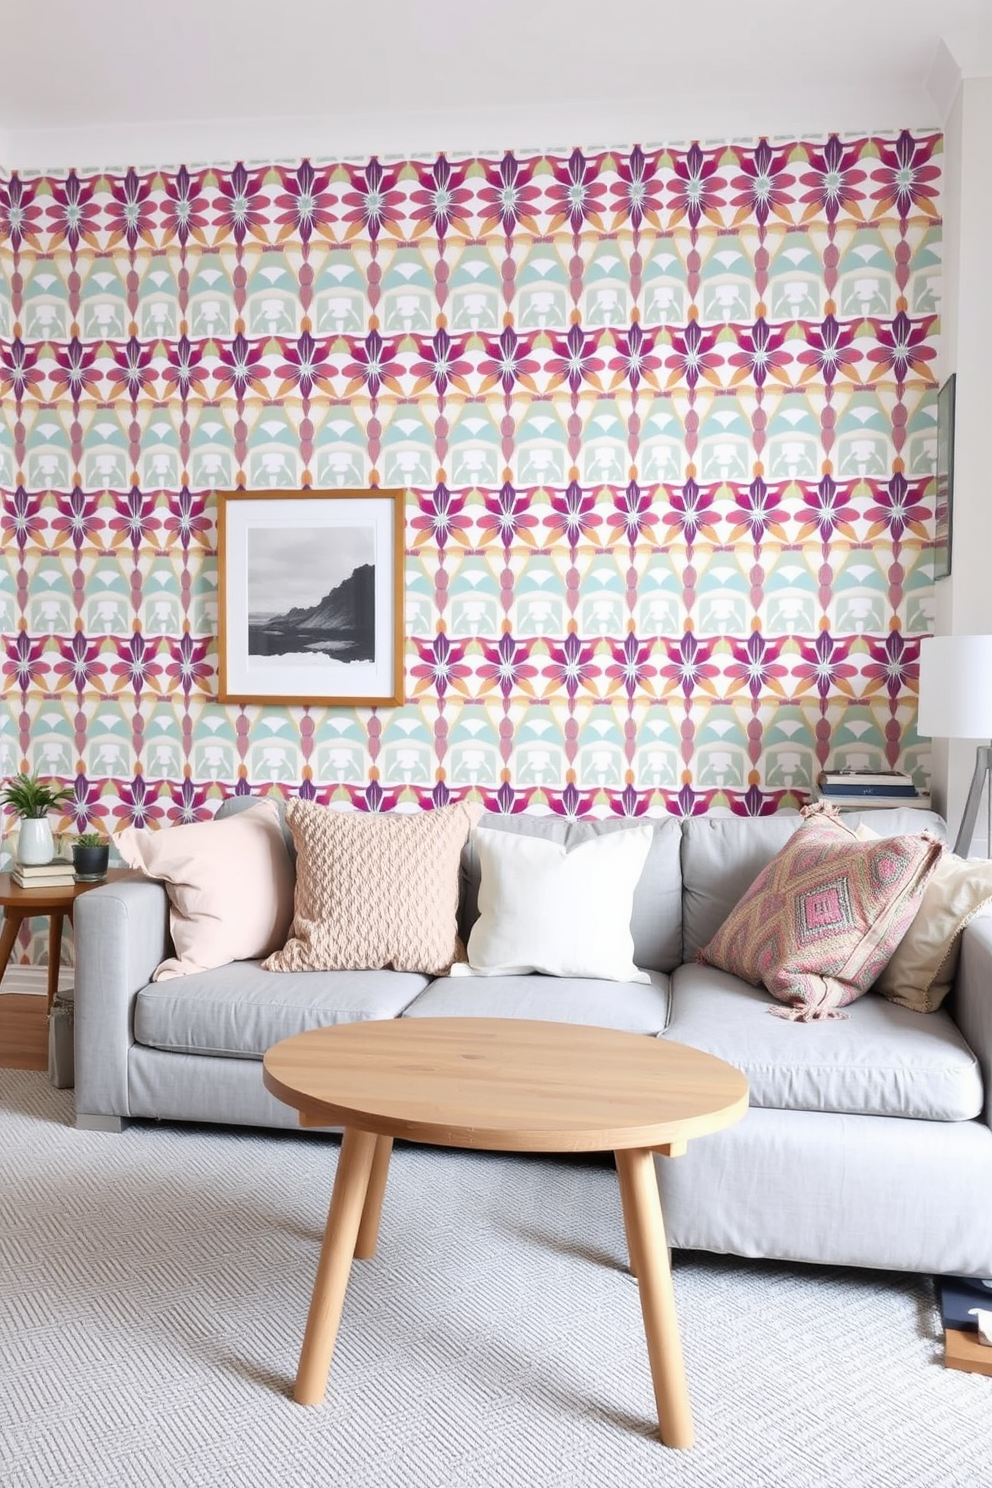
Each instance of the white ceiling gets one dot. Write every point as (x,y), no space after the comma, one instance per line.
(109,82)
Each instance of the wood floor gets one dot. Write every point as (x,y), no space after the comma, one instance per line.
(23,1031)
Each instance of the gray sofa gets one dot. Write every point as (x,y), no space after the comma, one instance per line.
(868,1141)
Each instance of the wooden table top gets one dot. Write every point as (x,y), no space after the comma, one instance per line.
(51,896)
(506,1085)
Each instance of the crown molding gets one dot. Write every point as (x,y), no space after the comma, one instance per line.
(676,119)
(957,61)
(943,81)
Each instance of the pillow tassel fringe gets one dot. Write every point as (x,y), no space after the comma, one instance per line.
(820,808)
(802,1013)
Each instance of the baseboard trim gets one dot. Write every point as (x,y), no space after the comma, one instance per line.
(33,980)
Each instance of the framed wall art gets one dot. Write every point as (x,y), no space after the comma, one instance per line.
(310,590)
(944,480)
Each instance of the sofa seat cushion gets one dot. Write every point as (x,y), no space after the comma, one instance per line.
(630,1006)
(884,1060)
(241,1010)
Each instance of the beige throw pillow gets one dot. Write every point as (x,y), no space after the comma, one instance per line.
(921,970)
(230,886)
(375,890)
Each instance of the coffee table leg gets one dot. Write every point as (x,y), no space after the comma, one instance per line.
(368,1230)
(648,1249)
(626,1204)
(343,1220)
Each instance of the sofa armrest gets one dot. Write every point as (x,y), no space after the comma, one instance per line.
(120,933)
(970,1004)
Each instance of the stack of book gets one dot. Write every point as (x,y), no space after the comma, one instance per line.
(868,789)
(44,875)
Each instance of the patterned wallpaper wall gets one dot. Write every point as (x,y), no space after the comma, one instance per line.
(666,419)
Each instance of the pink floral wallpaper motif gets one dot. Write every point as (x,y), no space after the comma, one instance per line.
(666,420)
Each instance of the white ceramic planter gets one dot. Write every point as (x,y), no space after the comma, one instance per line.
(35,843)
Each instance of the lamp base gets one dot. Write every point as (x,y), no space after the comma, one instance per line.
(966,831)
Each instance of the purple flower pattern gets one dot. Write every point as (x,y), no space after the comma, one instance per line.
(211,375)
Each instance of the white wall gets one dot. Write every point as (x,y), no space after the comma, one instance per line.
(964,599)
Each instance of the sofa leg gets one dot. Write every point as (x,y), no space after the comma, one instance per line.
(87,1122)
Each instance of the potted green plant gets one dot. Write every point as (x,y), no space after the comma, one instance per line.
(32,798)
(90,856)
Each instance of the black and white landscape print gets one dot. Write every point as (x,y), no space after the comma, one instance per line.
(311,594)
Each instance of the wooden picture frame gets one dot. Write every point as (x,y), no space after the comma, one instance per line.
(944,480)
(310,597)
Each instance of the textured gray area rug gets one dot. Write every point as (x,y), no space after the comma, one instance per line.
(154,1288)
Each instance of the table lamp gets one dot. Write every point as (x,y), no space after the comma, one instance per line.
(956,703)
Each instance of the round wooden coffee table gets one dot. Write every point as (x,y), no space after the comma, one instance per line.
(505,1085)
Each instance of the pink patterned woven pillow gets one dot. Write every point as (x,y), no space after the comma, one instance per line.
(820,922)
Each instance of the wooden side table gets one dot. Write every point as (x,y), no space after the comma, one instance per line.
(56,902)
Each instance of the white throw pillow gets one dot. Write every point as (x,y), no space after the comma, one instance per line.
(542,908)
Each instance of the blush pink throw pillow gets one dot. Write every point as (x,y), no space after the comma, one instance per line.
(821,921)
(230,886)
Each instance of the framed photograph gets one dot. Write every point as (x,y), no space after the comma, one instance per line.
(310,589)
(944,480)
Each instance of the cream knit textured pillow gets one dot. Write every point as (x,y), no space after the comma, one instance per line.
(375,890)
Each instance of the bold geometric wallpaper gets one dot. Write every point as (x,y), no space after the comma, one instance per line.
(666,419)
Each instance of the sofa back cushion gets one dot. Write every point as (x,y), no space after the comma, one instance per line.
(656,919)
(234,805)
(721,858)
(723,855)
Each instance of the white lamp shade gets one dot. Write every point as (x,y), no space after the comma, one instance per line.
(956,687)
